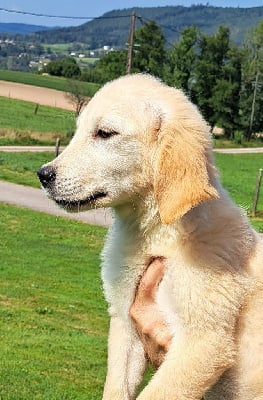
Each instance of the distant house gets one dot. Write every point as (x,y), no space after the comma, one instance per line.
(218,131)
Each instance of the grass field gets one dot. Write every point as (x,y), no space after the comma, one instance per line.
(21,167)
(238,172)
(28,127)
(52,82)
(53,317)
(54,323)
(57,47)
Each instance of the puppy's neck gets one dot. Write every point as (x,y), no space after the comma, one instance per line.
(217,226)
(140,213)
(141,231)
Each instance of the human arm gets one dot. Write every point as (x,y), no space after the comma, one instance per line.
(150,325)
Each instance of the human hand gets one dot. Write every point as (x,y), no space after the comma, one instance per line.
(149,322)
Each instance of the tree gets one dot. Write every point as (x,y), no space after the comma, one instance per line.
(76,96)
(149,53)
(111,66)
(70,69)
(182,59)
(67,67)
(252,88)
(226,93)
(213,54)
(218,80)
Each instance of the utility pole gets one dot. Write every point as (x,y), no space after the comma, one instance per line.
(130,44)
(253,105)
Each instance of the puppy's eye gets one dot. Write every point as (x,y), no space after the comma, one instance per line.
(105,134)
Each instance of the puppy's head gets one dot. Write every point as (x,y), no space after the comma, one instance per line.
(136,135)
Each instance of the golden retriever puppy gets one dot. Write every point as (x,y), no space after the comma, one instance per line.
(143,149)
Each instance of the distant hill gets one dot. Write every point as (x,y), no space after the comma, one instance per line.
(113,27)
(22,29)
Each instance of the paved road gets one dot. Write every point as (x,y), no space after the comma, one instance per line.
(248,150)
(14,149)
(33,149)
(35,199)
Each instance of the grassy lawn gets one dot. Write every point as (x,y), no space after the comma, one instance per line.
(223,143)
(54,323)
(57,47)
(21,167)
(30,128)
(53,317)
(52,82)
(238,172)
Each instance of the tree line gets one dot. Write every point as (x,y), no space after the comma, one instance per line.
(111,28)
(224,80)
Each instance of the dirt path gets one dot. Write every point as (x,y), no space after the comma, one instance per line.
(243,150)
(19,149)
(35,199)
(35,94)
(32,198)
(34,149)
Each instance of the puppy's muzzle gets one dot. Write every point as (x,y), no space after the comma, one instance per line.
(47,175)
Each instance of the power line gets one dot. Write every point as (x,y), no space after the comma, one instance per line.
(60,16)
(77,17)
(145,20)
(142,20)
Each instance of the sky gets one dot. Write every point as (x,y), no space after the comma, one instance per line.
(91,8)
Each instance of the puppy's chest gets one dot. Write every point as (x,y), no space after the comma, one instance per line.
(125,258)
(122,268)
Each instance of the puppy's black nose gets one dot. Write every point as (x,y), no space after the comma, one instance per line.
(46,175)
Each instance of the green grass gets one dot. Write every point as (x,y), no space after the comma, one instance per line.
(57,47)
(21,167)
(222,143)
(53,317)
(238,172)
(23,126)
(52,82)
(54,323)
(238,175)
(87,61)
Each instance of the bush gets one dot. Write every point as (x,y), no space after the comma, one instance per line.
(67,67)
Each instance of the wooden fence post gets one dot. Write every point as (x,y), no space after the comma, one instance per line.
(57,147)
(36,109)
(256,195)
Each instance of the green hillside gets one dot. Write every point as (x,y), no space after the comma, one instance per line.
(113,27)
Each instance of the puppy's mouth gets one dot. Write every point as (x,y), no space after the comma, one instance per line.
(76,205)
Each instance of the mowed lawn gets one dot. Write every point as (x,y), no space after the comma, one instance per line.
(26,126)
(53,319)
(21,167)
(238,172)
(52,82)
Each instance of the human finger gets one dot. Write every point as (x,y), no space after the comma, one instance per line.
(150,281)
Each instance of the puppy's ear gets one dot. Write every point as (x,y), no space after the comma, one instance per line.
(181,177)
